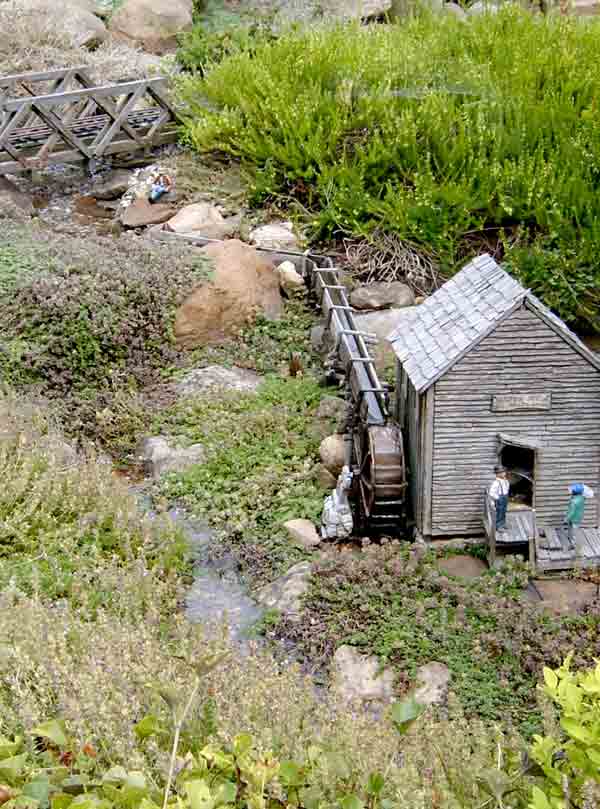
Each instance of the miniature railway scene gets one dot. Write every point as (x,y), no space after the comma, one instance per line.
(299,404)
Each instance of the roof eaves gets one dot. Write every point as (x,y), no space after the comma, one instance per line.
(561,328)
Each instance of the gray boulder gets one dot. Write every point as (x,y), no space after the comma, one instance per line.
(482,7)
(382,324)
(217,377)
(354,9)
(152,23)
(454,10)
(278,235)
(285,593)
(303,533)
(331,407)
(433,682)
(112,186)
(382,296)
(159,457)
(73,21)
(357,677)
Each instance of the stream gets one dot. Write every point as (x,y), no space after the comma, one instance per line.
(217,595)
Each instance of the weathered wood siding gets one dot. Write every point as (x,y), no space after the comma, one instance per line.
(522,355)
(413,438)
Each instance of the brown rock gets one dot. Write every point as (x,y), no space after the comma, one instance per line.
(242,286)
(303,533)
(141,213)
(153,23)
(325,479)
(333,453)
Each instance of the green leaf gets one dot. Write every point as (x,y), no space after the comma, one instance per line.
(550,678)
(495,782)
(539,799)
(39,790)
(61,801)
(242,744)
(54,731)
(405,713)
(376,783)
(148,726)
(576,730)
(11,768)
(116,775)
(351,802)
(199,796)
(291,774)
(8,748)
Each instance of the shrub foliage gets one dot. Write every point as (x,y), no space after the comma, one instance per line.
(450,135)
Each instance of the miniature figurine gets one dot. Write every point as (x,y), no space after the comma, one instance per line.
(498,492)
(575,510)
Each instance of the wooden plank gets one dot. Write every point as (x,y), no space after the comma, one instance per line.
(427,458)
(119,122)
(102,91)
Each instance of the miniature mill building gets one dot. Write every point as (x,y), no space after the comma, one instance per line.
(486,374)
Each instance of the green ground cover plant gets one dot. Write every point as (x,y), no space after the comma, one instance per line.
(494,641)
(89,324)
(262,453)
(455,137)
(68,528)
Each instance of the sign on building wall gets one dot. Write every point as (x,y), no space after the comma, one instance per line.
(507,402)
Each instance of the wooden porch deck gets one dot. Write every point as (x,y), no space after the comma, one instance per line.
(547,545)
(552,548)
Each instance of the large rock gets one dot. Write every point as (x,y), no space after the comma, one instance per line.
(200,218)
(243,285)
(332,407)
(333,453)
(11,197)
(290,280)
(112,186)
(382,296)
(155,24)
(278,235)
(159,457)
(454,10)
(285,593)
(354,9)
(482,7)
(382,324)
(433,681)
(216,377)
(303,533)
(142,213)
(80,25)
(358,677)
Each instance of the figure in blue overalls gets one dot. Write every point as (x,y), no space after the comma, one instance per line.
(498,492)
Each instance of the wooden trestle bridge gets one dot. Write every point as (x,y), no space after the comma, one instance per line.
(62,116)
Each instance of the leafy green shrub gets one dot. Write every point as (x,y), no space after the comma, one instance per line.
(494,642)
(262,449)
(571,764)
(97,324)
(448,135)
(219,33)
(62,518)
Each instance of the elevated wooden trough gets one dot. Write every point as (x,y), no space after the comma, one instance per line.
(61,116)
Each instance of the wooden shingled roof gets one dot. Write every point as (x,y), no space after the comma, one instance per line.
(431,337)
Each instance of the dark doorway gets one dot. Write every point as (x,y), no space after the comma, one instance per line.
(520,463)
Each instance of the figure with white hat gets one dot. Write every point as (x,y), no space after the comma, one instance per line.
(498,492)
(576,509)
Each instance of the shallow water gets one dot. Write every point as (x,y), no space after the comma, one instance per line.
(217,596)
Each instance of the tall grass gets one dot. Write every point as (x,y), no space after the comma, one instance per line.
(449,134)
